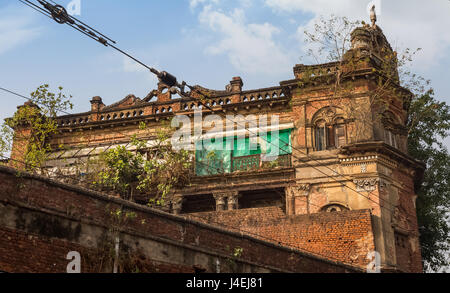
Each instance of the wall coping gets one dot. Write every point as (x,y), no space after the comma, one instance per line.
(180,219)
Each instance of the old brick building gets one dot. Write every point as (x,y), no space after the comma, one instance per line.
(343,184)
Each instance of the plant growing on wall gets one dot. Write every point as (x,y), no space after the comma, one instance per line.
(154,170)
(330,41)
(427,123)
(32,124)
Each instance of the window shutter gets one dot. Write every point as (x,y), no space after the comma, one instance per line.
(330,137)
(340,135)
(320,138)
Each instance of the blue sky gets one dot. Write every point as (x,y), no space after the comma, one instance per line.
(204,42)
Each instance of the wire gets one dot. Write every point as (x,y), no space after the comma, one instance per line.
(62,111)
(93,36)
(212,221)
(19,95)
(35,7)
(156,72)
(73,17)
(306,163)
(153,70)
(200,163)
(315,167)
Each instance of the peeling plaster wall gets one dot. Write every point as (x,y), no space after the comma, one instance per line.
(42,220)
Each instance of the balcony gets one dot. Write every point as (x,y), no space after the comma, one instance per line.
(246,164)
(254,162)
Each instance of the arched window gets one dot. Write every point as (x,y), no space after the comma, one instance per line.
(329,136)
(339,132)
(390,138)
(321,130)
(390,123)
(332,208)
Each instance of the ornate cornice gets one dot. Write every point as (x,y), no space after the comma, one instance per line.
(300,190)
(364,160)
(366,184)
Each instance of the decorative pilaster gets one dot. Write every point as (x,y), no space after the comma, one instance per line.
(220,201)
(300,191)
(227,200)
(233,200)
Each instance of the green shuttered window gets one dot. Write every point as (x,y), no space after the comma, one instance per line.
(217,157)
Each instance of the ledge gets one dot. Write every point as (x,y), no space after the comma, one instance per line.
(182,220)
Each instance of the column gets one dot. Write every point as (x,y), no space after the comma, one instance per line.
(220,201)
(300,192)
(233,200)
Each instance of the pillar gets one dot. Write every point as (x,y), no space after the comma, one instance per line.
(297,199)
(233,200)
(220,201)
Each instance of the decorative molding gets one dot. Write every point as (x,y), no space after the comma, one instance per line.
(364,168)
(366,184)
(220,198)
(300,190)
(232,199)
(357,161)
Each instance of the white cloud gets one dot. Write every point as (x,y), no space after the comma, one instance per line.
(249,46)
(321,6)
(406,23)
(132,66)
(16,29)
(195,3)
(246,3)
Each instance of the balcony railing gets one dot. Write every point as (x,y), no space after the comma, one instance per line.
(254,162)
(242,164)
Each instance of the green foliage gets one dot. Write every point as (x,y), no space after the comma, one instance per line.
(213,163)
(6,139)
(122,169)
(428,124)
(119,216)
(238,252)
(51,104)
(272,164)
(235,254)
(154,170)
(165,169)
(32,124)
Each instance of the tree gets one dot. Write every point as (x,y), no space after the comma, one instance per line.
(154,170)
(428,123)
(31,125)
(330,39)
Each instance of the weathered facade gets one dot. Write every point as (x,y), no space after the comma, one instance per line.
(343,148)
(42,221)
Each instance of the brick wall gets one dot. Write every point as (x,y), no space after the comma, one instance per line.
(344,236)
(42,220)
(408,253)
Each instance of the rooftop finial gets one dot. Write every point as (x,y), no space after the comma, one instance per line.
(373,16)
